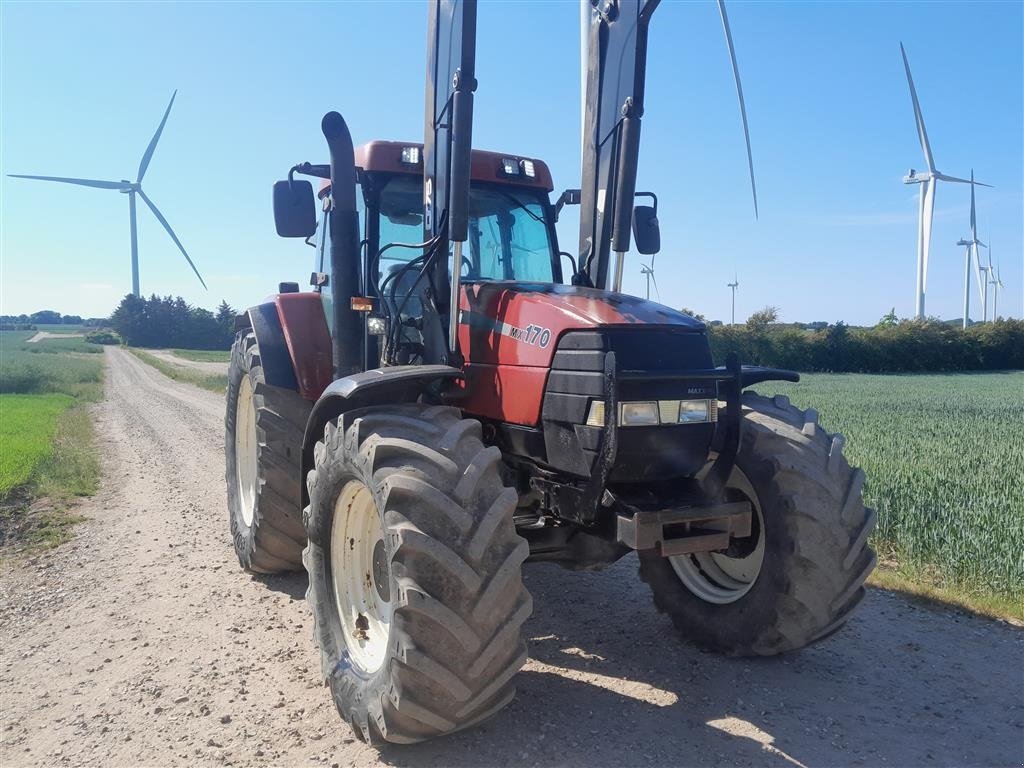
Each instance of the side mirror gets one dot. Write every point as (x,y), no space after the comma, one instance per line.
(646,233)
(294,209)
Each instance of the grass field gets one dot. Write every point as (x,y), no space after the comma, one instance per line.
(45,433)
(215,382)
(203,355)
(944,458)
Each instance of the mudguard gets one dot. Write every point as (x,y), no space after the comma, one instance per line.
(295,345)
(391,385)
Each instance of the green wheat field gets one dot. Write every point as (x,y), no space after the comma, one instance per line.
(944,458)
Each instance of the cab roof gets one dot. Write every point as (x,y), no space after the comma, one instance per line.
(386,157)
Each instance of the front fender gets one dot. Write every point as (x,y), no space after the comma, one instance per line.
(381,386)
(294,343)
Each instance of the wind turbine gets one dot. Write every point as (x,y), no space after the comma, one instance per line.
(132,188)
(928,180)
(648,271)
(734,285)
(971,254)
(987,269)
(997,285)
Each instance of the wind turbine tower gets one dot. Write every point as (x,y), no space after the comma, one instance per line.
(734,285)
(927,180)
(132,188)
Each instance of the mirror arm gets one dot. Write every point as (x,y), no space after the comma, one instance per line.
(568,197)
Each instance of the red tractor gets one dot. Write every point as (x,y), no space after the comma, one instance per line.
(446,404)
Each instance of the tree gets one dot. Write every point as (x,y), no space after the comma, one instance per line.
(171,322)
(695,315)
(760,320)
(889,319)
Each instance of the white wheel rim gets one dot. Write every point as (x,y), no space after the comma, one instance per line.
(715,577)
(361,587)
(246,445)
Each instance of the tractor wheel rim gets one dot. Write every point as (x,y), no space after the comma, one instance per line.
(360,577)
(715,577)
(246,449)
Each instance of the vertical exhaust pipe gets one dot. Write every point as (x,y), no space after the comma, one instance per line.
(348,337)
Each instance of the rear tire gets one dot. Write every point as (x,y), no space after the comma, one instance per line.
(438,651)
(809,574)
(263,443)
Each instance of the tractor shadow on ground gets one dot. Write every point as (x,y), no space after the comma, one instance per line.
(609,684)
(291,584)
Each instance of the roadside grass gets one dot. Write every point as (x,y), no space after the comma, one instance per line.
(46,437)
(944,456)
(919,586)
(215,382)
(203,355)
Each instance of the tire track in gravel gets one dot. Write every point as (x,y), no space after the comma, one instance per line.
(140,642)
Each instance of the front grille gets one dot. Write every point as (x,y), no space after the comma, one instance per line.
(577,377)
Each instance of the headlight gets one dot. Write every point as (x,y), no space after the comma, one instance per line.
(638,414)
(653,413)
(376,326)
(692,411)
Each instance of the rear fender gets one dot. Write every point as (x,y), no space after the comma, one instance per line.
(381,386)
(295,345)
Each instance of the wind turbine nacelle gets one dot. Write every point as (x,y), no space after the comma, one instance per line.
(913,177)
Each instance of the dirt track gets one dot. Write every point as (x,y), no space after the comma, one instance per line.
(140,642)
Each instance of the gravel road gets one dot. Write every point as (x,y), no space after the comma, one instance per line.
(140,642)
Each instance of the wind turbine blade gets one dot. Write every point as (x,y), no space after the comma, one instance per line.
(148,155)
(977,270)
(958,180)
(974,219)
(922,134)
(926,227)
(739,94)
(80,182)
(174,237)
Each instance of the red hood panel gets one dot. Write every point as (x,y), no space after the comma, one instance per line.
(534,316)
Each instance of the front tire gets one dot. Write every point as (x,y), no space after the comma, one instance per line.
(802,573)
(414,572)
(263,444)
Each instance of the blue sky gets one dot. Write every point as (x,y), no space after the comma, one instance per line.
(83,87)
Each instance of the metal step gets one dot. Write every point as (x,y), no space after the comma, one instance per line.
(685,531)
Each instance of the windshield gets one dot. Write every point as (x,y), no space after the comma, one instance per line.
(508,236)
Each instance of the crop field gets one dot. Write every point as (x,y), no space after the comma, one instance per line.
(72,366)
(944,458)
(62,328)
(45,434)
(27,429)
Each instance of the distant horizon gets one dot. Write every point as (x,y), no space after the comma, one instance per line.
(7,317)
